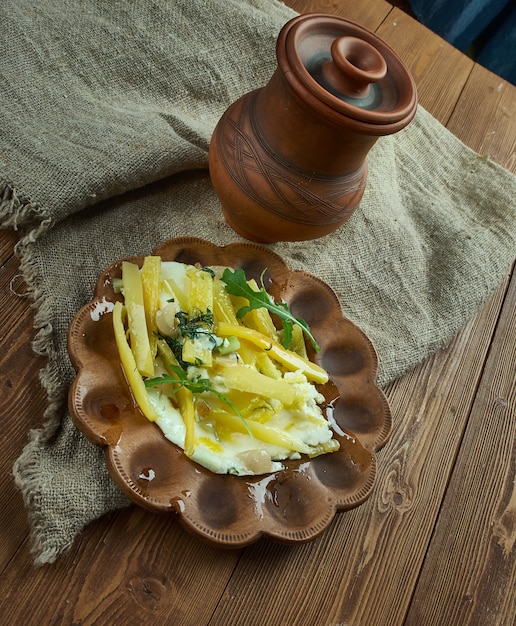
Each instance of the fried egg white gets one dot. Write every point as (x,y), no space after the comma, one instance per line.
(239,453)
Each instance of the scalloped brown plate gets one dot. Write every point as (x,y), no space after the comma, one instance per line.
(292,505)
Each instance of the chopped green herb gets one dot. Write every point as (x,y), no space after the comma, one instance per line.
(198,386)
(192,327)
(236,285)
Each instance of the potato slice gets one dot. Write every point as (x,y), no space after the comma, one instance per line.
(136,320)
(129,365)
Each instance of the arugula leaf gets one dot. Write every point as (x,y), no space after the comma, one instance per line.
(236,285)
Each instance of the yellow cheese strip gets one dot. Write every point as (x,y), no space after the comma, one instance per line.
(184,397)
(151,284)
(260,319)
(243,378)
(200,296)
(223,309)
(129,365)
(260,431)
(289,359)
(137,324)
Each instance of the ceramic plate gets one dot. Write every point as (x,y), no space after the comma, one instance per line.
(292,505)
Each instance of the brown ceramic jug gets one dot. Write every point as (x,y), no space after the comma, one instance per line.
(289,161)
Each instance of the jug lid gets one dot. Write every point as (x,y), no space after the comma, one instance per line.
(350,71)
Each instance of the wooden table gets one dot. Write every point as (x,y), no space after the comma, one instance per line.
(436,542)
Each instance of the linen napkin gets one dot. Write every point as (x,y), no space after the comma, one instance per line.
(107,109)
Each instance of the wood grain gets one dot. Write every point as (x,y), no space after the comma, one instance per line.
(133,568)
(368,14)
(22,400)
(479,525)
(440,71)
(485,117)
(387,537)
(7,242)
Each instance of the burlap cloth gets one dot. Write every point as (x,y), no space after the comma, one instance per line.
(107,110)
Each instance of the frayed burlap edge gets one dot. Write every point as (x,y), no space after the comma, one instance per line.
(17,211)
(21,214)
(25,470)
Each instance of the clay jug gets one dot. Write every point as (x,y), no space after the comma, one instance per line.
(289,161)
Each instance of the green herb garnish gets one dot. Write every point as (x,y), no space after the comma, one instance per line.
(191,327)
(236,285)
(197,386)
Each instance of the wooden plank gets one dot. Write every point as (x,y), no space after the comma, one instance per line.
(368,14)
(429,60)
(21,408)
(21,403)
(8,239)
(122,583)
(144,569)
(14,301)
(469,575)
(432,405)
(133,567)
(36,596)
(386,538)
(488,125)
